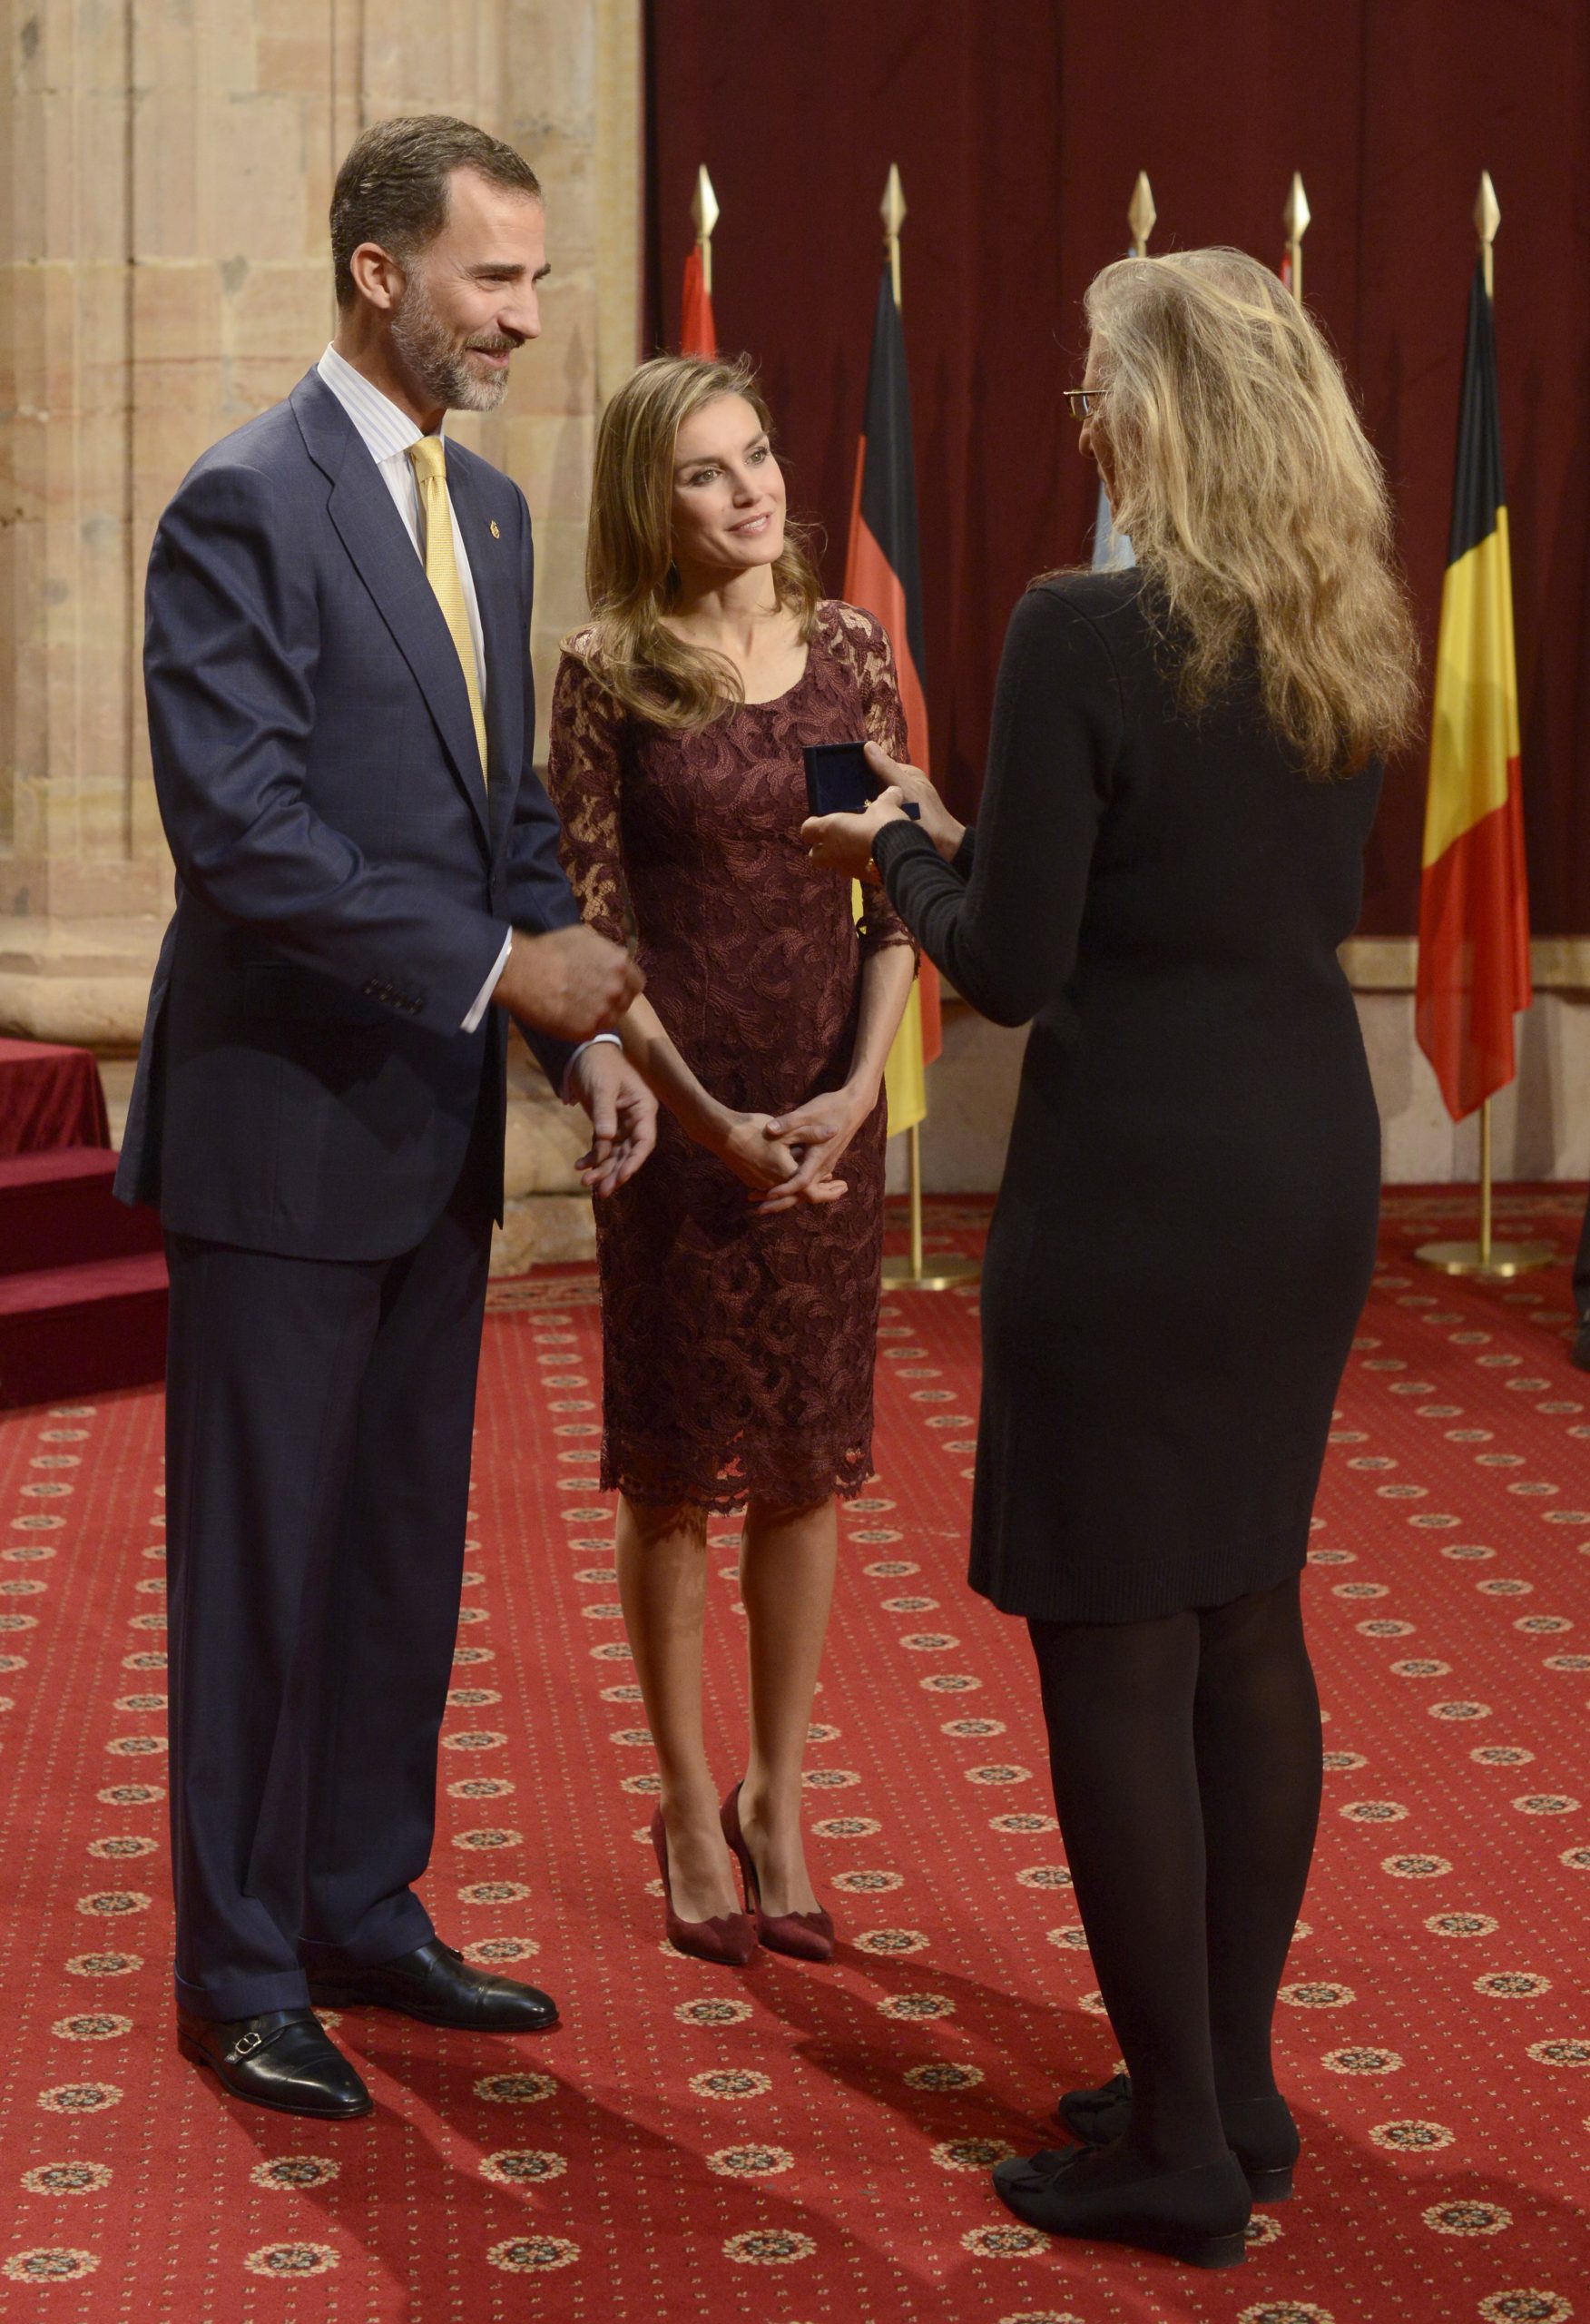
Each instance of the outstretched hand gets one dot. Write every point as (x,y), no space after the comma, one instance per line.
(934,817)
(843,843)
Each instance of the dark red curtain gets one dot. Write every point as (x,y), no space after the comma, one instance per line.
(1020,126)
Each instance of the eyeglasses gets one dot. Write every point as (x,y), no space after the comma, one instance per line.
(1083,402)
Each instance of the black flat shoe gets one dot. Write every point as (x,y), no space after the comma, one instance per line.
(438,1986)
(1260,2132)
(1195,2216)
(1097,2117)
(283,2059)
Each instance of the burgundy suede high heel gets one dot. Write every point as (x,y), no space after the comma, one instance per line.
(728,1938)
(804,1936)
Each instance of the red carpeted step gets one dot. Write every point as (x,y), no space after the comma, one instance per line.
(57,1210)
(76,1330)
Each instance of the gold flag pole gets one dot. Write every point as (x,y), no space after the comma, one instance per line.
(1140,214)
(1295,219)
(911,1273)
(1487,1258)
(703,211)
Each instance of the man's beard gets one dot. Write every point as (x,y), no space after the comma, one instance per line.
(436,359)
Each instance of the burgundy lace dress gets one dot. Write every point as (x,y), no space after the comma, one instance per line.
(738,1350)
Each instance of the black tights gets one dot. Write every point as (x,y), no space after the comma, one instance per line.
(1186,1763)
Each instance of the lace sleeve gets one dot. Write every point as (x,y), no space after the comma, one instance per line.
(582,779)
(866,643)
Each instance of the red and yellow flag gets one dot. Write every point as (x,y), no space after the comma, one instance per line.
(1474,896)
(697,335)
(883,574)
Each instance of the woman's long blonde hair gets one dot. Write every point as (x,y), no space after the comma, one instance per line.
(1257,509)
(631,580)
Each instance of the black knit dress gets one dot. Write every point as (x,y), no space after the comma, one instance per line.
(1185,1230)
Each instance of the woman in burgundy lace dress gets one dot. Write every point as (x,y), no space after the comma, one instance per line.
(739,1269)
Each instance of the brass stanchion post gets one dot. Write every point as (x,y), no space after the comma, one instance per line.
(915,1158)
(912,1273)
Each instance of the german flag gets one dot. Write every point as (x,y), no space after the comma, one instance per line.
(883,574)
(1474,896)
(697,333)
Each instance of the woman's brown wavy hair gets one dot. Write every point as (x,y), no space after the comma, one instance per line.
(1257,509)
(631,580)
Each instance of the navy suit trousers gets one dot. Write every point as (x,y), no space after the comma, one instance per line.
(319,1415)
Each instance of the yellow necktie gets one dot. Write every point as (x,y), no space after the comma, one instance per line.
(430,461)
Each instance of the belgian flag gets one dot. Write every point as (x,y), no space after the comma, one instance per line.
(1474,897)
(883,575)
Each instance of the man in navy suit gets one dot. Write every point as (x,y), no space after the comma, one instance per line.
(342,719)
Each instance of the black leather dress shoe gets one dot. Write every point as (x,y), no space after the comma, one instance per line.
(438,1986)
(282,2059)
(1579,1353)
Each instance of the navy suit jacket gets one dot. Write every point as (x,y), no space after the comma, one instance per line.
(345,881)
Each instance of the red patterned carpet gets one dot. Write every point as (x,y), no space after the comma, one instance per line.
(785,2144)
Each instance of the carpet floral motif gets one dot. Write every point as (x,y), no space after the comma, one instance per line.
(788,2143)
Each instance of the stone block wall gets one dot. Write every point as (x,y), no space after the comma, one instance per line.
(164,276)
(165,181)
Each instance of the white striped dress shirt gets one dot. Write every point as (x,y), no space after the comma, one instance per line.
(387,432)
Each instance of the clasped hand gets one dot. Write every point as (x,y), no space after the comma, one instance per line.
(569,983)
(791,1157)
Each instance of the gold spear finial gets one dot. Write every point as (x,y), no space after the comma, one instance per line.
(1295,219)
(703,210)
(1140,214)
(892,211)
(1488,216)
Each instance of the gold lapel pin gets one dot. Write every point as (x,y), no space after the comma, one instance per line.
(495,533)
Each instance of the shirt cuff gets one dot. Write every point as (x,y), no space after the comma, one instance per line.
(483,998)
(567,1093)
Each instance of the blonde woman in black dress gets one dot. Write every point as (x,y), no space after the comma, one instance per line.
(741,1268)
(1183,767)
